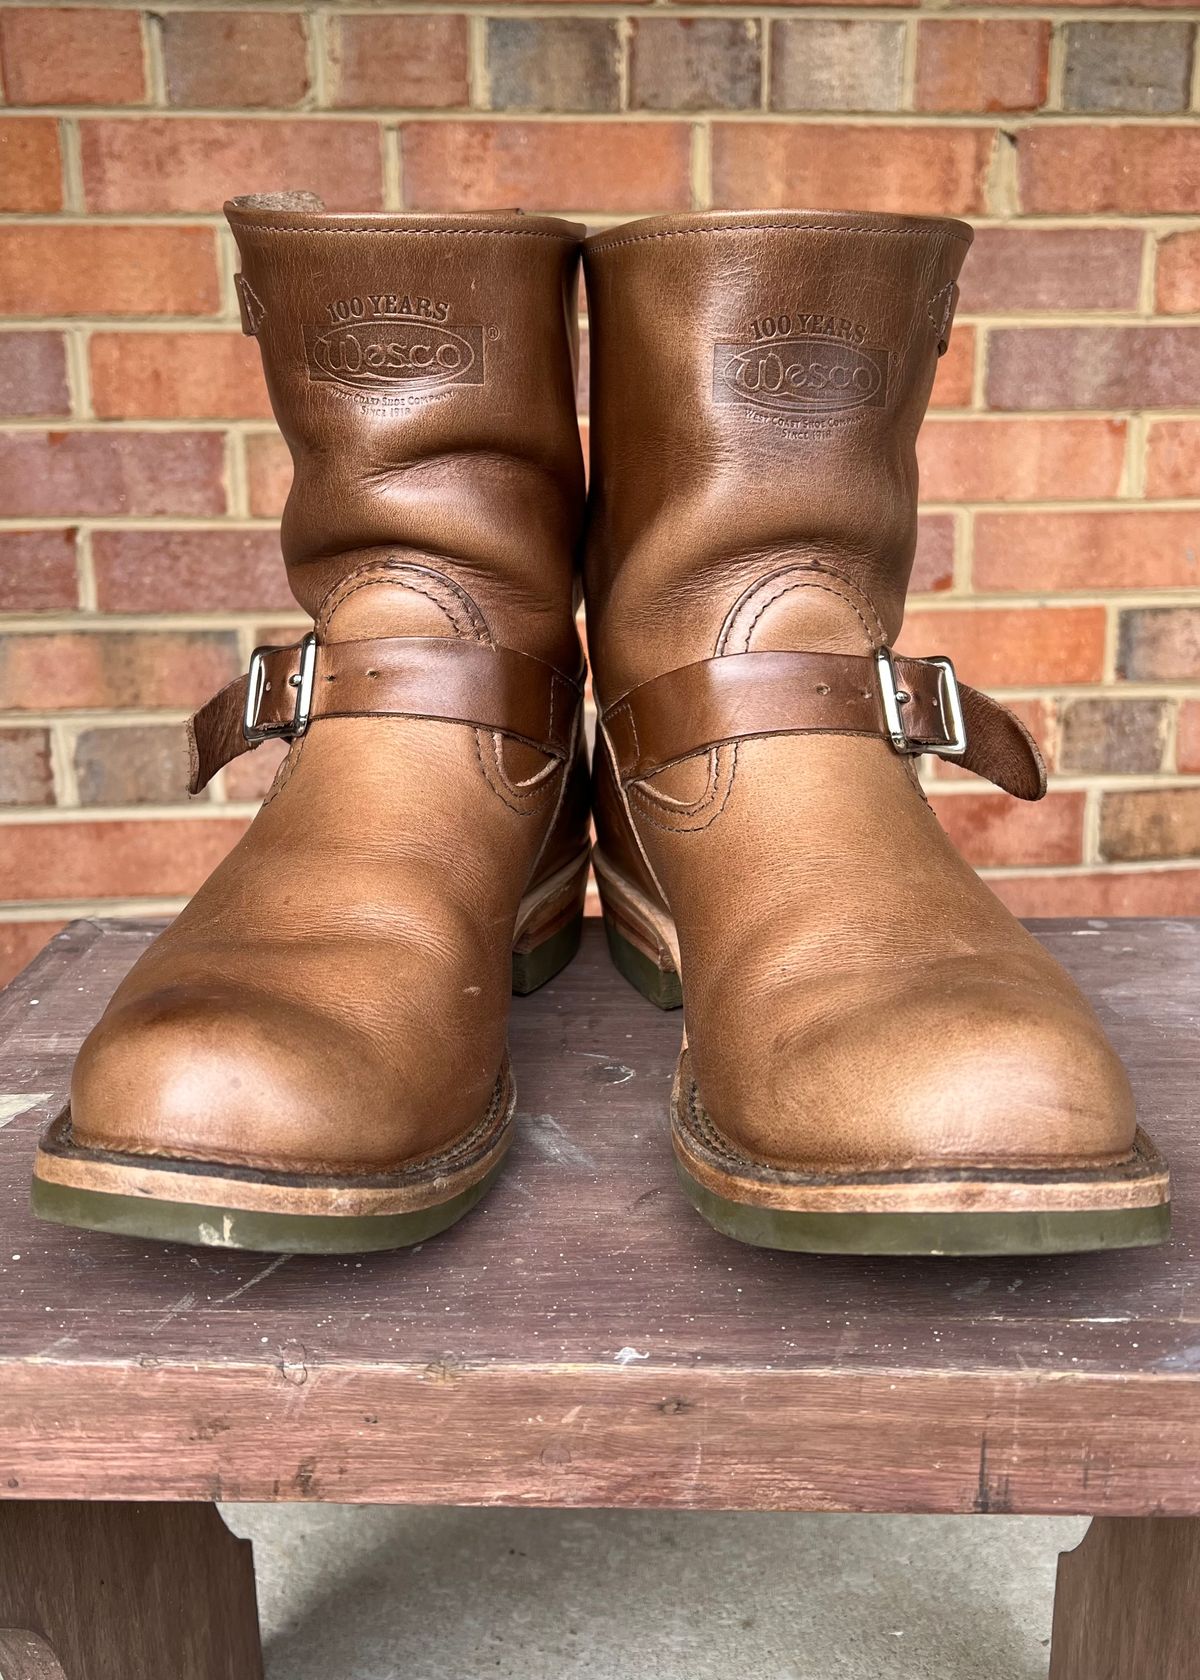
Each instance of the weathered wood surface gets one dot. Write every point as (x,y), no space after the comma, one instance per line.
(125,1592)
(584,1338)
(1127,1603)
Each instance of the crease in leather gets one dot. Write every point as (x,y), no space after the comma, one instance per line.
(739,696)
(446,679)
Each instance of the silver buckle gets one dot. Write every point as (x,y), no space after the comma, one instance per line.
(893,698)
(302,682)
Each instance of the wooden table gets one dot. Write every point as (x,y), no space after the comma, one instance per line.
(584,1339)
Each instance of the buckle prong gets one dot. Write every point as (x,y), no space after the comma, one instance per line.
(950,705)
(302,681)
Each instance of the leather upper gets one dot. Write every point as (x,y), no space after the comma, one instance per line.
(855,998)
(335,997)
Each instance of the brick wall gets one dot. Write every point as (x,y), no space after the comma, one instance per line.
(140,478)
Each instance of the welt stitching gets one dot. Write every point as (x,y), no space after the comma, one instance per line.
(418,232)
(775,227)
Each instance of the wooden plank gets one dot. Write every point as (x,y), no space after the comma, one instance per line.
(1127,1604)
(118,1591)
(585,1311)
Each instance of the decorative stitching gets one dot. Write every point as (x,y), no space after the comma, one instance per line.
(419,232)
(778,227)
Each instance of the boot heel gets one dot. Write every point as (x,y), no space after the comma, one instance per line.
(532,968)
(551,930)
(654,977)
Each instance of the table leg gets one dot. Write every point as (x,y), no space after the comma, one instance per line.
(1127,1603)
(111,1591)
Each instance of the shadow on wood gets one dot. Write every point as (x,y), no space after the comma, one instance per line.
(1127,1604)
(118,1591)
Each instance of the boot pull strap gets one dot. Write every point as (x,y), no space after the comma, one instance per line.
(444,678)
(916,704)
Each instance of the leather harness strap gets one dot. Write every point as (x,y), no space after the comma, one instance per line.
(740,695)
(446,678)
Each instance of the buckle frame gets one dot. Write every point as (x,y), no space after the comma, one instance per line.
(303,681)
(893,697)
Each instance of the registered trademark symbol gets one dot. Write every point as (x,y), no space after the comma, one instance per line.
(493,333)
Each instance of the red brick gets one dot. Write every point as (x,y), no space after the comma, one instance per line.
(933,568)
(269,473)
(226,570)
(114,858)
(20,942)
(33,374)
(1111,892)
(1052,268)
(248,779)
(954,381)
(43,474)
(406,62)
(1159,644)
(920,170)
(97,269)
(1148,823)
(134,764)
(695,64)
(221,59)
(38,571)
(195,163)
(1101,735)
(79,670)
(1011,647)
(177,376)
(1178,279)
(974,64)
(1093,367)
(30,166)
(1122,548)
(1096,167)
(26,777)
(992,829)
(1187,739)
(618,167)
(51,55)
(1020,460)
(1173,458)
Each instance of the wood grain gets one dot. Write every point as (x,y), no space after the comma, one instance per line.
(119,1591)
(1127,1602)
(584,1338)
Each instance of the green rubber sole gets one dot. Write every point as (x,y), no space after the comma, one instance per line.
(930,1234)
(661,985)
(265,1233)
(531,969)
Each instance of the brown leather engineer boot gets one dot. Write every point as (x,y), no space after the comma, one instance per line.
(878,1058)
(312,1057)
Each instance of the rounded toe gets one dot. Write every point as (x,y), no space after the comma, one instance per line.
(982,1072)
(218,1074)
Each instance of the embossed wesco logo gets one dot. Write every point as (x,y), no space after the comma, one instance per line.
(396,353)
(805,375)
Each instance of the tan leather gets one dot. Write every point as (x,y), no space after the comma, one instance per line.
(335,998)
(739,695)
(854,997)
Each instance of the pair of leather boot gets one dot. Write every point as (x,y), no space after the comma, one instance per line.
(878,1057)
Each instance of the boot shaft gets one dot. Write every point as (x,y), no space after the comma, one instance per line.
(422,372)
(758,381)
